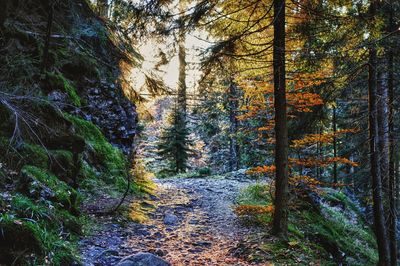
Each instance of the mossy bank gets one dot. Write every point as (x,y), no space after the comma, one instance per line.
(325,227)
(59,137)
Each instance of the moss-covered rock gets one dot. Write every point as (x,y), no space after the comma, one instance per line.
(56,81)
(33,154)
(29,242)
(37,232)
(110,159)
(39,183)
(65,165)
(25,207)
(19,241)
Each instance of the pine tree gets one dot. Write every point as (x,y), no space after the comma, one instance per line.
(174,143)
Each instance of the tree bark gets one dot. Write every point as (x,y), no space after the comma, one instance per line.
(334,124)
(182,102)
(392,149)
(280,221)
(233,127)
(397,180)
(383,133)
(379,216)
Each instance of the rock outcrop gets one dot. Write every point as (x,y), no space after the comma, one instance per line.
(143,259)
(113,113)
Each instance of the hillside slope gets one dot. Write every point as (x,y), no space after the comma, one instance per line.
(66,127)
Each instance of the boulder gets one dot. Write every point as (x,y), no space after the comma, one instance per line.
(143,259)
(170,219)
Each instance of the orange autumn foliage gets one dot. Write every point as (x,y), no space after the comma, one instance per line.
(304,101)
(258,96)
(304,80)
(328,137)
(314,162)
(304,179)
(262,169)
(306,162)
(312,183)
(253,209)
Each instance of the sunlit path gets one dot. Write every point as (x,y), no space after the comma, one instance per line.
(190,222)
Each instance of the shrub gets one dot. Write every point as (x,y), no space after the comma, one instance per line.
(204,171)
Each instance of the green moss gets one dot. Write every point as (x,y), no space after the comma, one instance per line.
(279,249)
(63,155)
(34,155)
(62,164)
(88,175)
(43,210)
(293,229)
(17,236)
(110,158)
(37,230)
(64,194)
(333,195)
(59,250)
(309,229)
(59,82)
(352,238)
(21,238)
(26,208)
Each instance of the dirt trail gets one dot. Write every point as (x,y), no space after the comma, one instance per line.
(192,223)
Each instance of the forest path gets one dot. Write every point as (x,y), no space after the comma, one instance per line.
(191,223)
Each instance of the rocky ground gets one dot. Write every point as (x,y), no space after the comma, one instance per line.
(190,222)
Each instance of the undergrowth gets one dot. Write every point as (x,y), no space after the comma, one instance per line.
(335,233)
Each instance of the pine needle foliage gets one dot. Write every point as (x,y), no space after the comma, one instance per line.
(174,143)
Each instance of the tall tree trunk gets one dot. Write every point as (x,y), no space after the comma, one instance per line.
(334,124)
(50,18)
(397,180)
(392,148)
(182,104)
(383,133)
(280,221)
(319,153)
(182,99)
(379,216)
(233,127)
(102,8)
